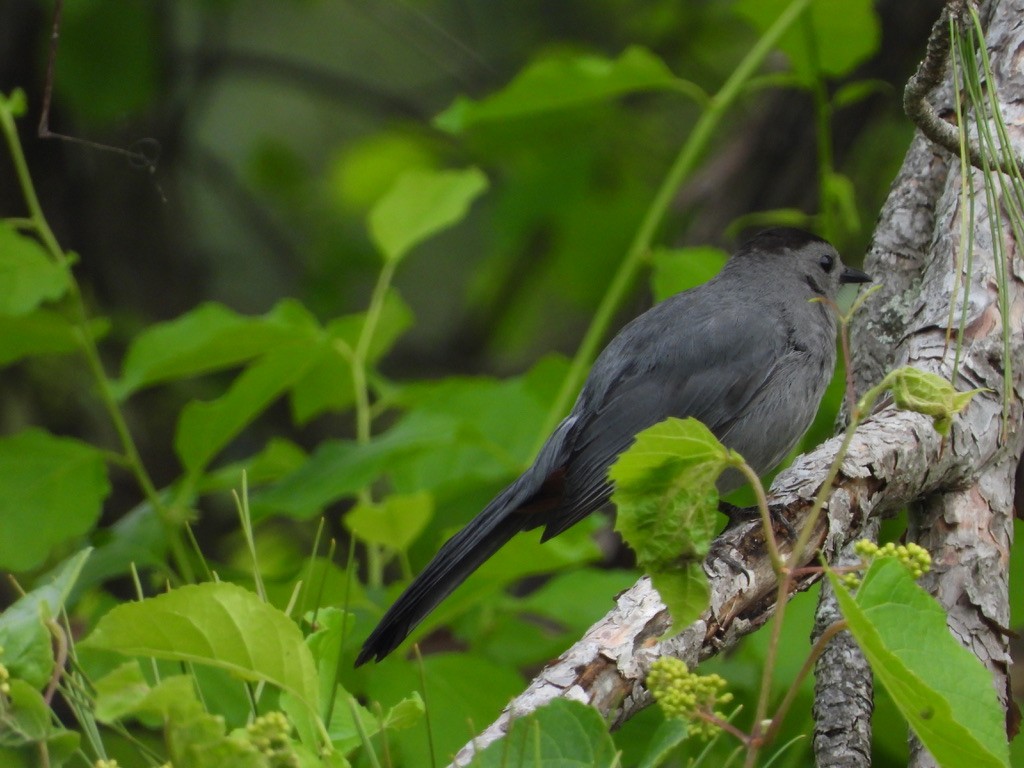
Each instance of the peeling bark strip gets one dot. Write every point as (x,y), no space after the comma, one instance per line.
(961,487)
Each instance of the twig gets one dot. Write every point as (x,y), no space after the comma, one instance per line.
(137,156)
(929,75)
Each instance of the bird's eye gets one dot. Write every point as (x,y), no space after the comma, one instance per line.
(827,262)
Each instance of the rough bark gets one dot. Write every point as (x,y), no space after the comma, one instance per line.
(961,486)
(843,684)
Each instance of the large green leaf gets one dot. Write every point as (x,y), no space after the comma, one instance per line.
(51,491)
(204,429)
(460,687)
(941,688)
(565,82)
(337,469)
(219,624)
(665,499)
(327,384)
(26,642)
(485,428)
(421,204)
(835,37)
(194,737)
(28,727)
(394,522)
(28,276)
(562,734)
(209,338)
(42,332)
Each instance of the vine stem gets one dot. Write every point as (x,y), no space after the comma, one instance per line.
(812,658)
(37,222)
(358,356)
(681,168)
(766,518)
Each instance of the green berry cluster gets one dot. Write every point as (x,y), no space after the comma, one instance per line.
(850,580)
(682,693)
(913,557)
(270,734)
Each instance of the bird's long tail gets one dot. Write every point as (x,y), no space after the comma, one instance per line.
(521,506)
(462,554)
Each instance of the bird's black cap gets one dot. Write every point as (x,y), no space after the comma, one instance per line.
(781,239)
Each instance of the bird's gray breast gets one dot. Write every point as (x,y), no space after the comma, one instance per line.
(782,409)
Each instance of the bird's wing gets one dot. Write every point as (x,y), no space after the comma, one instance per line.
(711,373)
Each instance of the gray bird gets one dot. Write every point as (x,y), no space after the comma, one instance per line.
(748,353)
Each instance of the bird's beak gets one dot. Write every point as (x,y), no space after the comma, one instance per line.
(851,275)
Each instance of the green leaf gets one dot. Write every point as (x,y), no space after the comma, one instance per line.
(194,737)
(666,499)
(456,429)
(219,624)
(42,332)
(461,687)
(278,458)
(209,338)
(325,644)
(566,82)
(394,522)
(327,384)
(842,198)
(26,643)
(669,735)
(940,687)
(204,429)
(483,428)
(123,692)
(677,269)
(929,394)
(27,723)
(845,33)
(28,275)
(51,491)
(367,168)
(858,90)
(29,718)
(137,539)
(16,103)
(575,598)
(420,204)
(562,734)
(344,731)
(336,469)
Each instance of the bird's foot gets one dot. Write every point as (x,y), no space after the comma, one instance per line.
(743,514)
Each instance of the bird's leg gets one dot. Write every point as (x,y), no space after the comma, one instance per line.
(719,553)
